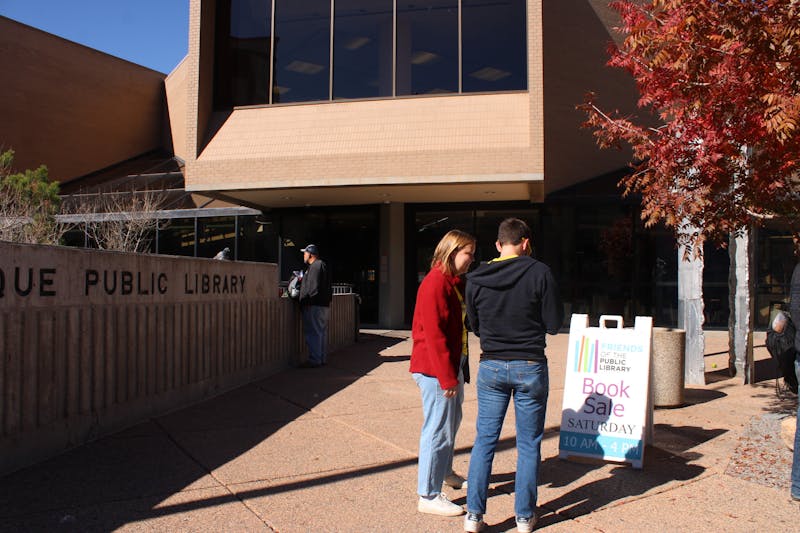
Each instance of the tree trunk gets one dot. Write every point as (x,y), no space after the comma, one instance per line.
(741,299)
(690,315)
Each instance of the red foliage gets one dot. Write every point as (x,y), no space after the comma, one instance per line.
(723,77)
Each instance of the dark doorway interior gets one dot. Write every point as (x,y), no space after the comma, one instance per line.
(348,239)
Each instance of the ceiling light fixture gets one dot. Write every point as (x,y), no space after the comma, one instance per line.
(356,42)
(490,74)
(423,58)
(304,67)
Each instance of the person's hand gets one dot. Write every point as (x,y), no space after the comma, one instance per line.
(449,393)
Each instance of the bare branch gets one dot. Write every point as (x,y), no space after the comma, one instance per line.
(122,221)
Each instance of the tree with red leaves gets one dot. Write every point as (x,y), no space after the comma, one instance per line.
(721,79)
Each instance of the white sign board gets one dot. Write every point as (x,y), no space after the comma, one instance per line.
(606,406)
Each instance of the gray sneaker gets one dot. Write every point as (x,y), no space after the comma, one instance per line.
(525,525)
(473,523)
(439,505)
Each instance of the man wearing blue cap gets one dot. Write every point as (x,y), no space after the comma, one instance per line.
(315,300)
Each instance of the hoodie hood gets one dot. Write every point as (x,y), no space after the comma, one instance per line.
(501,274)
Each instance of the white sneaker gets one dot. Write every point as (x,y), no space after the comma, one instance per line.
(455,481)
(439,505)
(525,525)
(473,523)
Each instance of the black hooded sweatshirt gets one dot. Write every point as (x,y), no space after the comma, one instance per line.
(511,303)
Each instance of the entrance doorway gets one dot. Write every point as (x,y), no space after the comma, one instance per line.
(427,224)
(348,240)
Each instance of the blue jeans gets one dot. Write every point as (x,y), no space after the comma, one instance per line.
(795,491)
(441,420)
(315,326)
(498,381)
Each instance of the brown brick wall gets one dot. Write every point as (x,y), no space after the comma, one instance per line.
(192,80)
(576,37)
(71,107)
(526,136)
(386,141)
(177,100)
(535,80)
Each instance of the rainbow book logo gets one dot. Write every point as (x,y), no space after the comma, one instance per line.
(587,353)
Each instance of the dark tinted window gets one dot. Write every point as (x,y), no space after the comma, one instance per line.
(216,234)
(302,50)
(243,52)
(176,236)
(258,239)
(362,48)
(493,45)
(427,46)
(424,36)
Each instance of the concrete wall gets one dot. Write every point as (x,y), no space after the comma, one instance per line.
(92,342)
(73,108)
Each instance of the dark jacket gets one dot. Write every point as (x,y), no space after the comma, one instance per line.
(437,328)
(316,286)
(794,304)
(511,304)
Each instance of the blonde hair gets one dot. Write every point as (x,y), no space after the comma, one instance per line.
(452,243)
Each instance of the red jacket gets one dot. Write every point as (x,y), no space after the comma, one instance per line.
(437,328)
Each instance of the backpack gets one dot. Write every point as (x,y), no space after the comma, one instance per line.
(780,345)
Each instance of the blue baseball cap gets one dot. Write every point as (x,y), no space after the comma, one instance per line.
(311,248)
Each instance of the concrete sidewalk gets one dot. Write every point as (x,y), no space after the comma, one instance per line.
(334,449)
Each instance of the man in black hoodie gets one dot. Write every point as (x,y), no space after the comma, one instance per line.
(315,300)
(512,302)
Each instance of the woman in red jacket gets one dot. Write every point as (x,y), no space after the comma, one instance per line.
(437,361)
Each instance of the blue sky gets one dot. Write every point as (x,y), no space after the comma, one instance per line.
(152,33)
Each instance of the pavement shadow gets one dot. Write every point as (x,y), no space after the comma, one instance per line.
(604,483)
(679,440)
(781,404)
(666,461)
(716,376)
(130,476)
(763,370)
(618,483)
(699,396)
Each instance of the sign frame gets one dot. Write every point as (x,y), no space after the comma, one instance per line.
(607,409)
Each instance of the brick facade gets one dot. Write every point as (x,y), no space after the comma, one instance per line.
(73,108)
(529,137)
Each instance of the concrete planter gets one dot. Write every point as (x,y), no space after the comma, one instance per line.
(669,364)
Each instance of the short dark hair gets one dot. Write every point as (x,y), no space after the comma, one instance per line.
(512,231)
